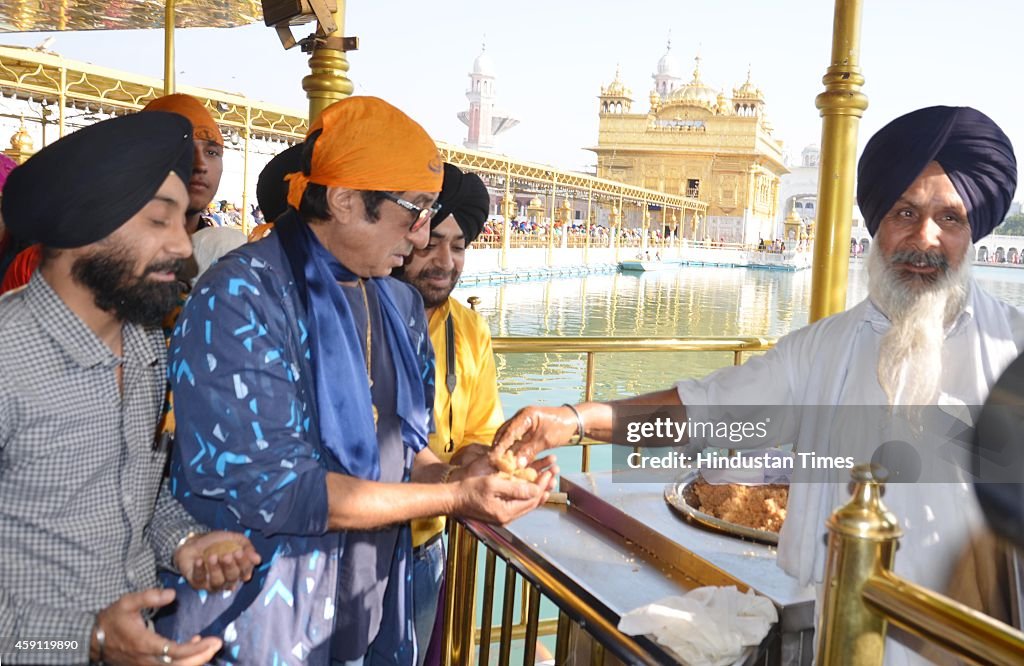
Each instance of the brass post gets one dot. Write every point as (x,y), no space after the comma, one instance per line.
(862,541)
(450,619)
(328,82)
(508,212)
(562,639)
(532,603)
(841,105)
(488,608)
(551,222)
(645,228)
(169,21)
(586,241)
(588,396)
(467,602)
(508,604)
(62,99)
(245,171)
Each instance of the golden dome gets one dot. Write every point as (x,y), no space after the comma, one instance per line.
(536,203)
(21,140)
(694,93)
(616,88)
(748,90)
(794,217)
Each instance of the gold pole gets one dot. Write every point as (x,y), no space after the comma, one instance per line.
(245,172)
(586,241)
(450,618)
(509,205)
(551,222)
(841,105)
(169,22)
(327,82)
(862,541)
(62,99)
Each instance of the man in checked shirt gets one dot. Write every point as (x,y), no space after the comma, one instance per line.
(85,519)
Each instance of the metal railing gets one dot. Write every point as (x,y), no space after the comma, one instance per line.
(459,634)
(866,595)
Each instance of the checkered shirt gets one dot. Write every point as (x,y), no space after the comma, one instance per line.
(84,514)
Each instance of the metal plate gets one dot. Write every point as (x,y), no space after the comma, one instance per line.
(679,495)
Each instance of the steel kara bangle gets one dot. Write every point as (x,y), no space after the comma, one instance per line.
(578,437)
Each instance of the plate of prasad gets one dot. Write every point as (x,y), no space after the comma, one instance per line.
(741,494)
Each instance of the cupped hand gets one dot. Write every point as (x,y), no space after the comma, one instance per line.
(128,639)
(216,560)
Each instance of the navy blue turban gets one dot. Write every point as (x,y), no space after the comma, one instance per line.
(975,154)
(82,188)
(465,196)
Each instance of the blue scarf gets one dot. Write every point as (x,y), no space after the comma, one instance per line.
(344,403)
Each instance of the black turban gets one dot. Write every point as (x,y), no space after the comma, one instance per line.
(271,188)
(465,196)
(975,154)
(82,188)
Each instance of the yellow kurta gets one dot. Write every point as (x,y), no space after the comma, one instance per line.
(474,408)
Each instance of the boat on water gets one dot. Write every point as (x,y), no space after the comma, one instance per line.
(647,265)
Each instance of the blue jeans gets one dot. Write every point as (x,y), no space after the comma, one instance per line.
(427,569)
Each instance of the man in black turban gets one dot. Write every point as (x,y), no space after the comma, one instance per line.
(466,406)
(83,505)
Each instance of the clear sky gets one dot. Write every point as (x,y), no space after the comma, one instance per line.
(552,58)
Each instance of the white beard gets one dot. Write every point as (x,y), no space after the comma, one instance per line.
(910,352)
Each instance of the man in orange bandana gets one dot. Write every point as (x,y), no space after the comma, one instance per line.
(207,158)
(303,381)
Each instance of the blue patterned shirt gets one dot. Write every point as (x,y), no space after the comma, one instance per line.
(248,458)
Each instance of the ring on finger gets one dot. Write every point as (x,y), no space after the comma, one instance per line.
(165,658)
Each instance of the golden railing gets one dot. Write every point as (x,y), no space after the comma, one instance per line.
(866,595)
(460,635)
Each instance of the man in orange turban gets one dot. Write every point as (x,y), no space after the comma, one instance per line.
(303,381)
(207,158)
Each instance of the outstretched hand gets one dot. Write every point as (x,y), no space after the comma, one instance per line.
(533,430)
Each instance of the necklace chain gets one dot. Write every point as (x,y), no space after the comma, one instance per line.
(369,348)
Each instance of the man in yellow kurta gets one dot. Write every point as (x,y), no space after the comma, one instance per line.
(466,406)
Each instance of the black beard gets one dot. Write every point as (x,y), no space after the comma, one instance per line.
(432,296)
(134,300)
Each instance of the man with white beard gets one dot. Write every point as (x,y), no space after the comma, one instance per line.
(929,184)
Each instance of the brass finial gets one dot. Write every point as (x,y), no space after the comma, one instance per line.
(473,302)
(21,141)
(862,541)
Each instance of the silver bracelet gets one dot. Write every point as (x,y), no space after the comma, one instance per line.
(101,640)
(578,437)
(184,540)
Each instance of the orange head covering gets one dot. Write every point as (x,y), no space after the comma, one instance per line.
(367,144)
(203,125)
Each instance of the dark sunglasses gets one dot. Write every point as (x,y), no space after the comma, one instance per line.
(423,215)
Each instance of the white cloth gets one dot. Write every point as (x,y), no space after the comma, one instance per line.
(709,626)
(212,243)
(834,362)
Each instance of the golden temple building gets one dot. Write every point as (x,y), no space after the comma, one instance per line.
(695,141)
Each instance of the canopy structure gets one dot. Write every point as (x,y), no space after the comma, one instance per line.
(54,15)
